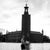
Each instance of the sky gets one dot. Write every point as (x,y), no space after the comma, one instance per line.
(11,15)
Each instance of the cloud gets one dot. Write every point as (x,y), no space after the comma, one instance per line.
(38,3)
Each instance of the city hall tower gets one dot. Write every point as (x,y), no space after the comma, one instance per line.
(26,23)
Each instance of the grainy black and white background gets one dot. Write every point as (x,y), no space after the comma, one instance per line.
(11,15)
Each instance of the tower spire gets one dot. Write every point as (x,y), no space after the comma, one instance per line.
(26,1)
(26,7)
(42,31)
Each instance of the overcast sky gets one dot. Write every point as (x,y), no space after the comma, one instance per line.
(11,15)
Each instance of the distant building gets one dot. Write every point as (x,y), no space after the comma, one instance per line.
(32,36)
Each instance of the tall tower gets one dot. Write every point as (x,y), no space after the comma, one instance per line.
(26,23)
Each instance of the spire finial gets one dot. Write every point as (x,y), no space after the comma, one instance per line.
(26,7)
(42,31)
(26,1)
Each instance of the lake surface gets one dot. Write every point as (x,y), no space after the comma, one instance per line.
(17,46)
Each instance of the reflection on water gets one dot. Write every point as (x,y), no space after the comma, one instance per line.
(17,46)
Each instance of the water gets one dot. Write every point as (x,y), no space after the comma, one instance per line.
(10,46)
(17,46)
(40,46)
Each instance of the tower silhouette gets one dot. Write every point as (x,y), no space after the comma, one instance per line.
(26,23)
(42,32)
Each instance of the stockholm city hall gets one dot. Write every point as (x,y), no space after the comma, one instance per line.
(31,36)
